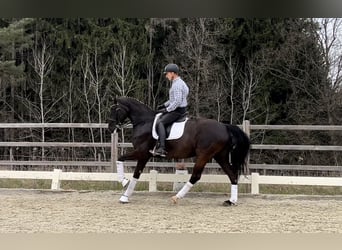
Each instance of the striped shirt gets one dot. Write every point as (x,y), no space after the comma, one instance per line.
(178,95)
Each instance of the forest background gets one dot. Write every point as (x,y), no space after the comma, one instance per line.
(269,71)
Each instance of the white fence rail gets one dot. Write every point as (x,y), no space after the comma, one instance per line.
(255,180)
(153,177)
(114,145)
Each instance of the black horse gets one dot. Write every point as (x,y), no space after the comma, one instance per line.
(203,139)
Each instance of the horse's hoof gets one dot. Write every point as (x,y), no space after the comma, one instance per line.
(124,199)
(174,199)
(228,203)
(124,182)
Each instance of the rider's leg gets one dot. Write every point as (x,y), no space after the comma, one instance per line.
(165,120)
(162,134)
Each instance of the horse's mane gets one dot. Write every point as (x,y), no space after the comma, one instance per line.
(129,100)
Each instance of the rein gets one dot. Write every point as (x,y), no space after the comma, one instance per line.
(120,125)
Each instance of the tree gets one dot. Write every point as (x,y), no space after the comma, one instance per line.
(194,46)
(12,44)
(331,44)
(158,30)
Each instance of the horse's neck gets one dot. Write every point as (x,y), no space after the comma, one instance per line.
(139,115)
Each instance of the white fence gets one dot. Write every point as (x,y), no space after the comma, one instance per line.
(113,145)
(154,177)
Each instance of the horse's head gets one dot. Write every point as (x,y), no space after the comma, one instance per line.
(118,115)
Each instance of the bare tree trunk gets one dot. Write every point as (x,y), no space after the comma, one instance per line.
(85,69)
(330,39)
(195,42)
(250,81)
(70,108)
(43,61)
(123,69)
(96,79)
(150,66)
(231,81)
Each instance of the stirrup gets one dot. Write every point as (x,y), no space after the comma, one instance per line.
(155,153)
(162,152)
(152,151)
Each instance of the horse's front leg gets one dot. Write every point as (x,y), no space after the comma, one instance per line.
(121,173)
(120,167)
(136,175)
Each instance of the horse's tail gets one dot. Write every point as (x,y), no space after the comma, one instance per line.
(239,145)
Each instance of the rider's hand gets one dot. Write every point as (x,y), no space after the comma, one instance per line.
(162,110)
(160,106)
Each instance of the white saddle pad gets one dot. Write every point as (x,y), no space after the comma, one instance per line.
(176,132)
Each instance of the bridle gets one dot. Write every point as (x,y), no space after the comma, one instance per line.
(119,125)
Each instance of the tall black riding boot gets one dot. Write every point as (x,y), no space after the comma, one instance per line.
(162,134)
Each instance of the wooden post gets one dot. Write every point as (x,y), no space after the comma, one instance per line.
(56,183)
(255,183)
(152,187)
(180,170)
(11,156)
(246,127)
(114,152)
(99,169)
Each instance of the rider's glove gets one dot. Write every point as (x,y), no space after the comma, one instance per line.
(162,110)
(160,106)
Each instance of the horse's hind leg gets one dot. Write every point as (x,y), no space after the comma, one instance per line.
(233,177)
(195,176)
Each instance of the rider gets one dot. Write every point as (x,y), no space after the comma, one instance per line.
(174,108)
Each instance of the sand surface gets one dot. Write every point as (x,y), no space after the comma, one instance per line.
(33,211)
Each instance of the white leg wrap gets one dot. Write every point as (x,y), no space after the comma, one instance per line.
(185,189)
(129,191)
(233,193)
(121,174)
(130,188)
(120,170)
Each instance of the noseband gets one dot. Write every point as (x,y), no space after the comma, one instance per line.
(119,124)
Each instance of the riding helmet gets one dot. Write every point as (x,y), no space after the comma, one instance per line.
(171,67)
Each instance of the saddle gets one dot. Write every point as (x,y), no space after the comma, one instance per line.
(174,130)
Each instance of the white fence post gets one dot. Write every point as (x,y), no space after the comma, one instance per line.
(152,185)
(114,151)
(56,183)
(178,185)
(255,183)
(246,127)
